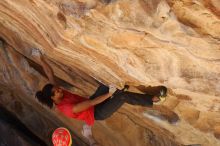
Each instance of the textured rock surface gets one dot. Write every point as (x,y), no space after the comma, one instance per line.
(139,42)
(14,132)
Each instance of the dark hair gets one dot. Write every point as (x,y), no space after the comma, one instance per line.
(44,96)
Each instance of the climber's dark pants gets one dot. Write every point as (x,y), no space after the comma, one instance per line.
(111,105)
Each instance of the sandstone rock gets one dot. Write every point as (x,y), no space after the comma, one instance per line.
(140,43)
(191,115)
(14,132)
(217,132)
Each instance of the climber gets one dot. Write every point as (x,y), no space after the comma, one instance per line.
(101,105)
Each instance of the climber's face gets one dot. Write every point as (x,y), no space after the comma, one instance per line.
(57,93)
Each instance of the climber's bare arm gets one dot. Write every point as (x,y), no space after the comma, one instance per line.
(47,69)
(89,103)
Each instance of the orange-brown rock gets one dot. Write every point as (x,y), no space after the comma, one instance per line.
(143,43)
(217,132)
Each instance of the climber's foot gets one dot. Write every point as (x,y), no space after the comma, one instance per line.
(161,96)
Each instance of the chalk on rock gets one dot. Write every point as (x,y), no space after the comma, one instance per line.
(36,52)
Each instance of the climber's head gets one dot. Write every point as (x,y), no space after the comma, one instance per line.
(48,94)
(57,93)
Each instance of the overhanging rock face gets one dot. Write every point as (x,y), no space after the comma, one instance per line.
(139,42)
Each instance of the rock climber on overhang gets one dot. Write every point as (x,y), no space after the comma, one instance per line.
(99,106)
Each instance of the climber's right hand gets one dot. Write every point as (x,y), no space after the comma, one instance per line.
(112,89)
(36,52)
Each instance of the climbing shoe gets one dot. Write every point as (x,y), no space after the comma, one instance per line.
(161,95)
